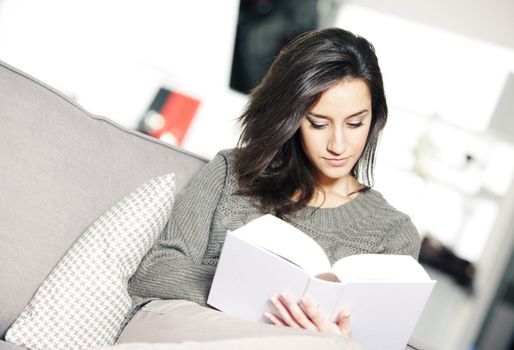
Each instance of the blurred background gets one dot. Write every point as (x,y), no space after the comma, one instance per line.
(181,71)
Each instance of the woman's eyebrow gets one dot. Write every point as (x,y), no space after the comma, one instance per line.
(327,117)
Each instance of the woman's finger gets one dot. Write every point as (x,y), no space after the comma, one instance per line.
(296,312)
(343,322)
(274,319)
(283,312)
(319,319)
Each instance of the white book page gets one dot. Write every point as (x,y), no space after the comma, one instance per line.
(285,240)
(380,267)
(383,314)
(247,276)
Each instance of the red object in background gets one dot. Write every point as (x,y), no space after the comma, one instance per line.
(174,112)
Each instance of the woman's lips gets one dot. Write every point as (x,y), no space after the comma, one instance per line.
(336,161)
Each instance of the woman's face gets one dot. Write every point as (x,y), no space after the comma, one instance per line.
(335,130)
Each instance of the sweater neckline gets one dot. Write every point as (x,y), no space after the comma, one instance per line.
(348,205)
(347,214)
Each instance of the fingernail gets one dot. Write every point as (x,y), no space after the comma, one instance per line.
(303,300)
(284,295)
(346,313)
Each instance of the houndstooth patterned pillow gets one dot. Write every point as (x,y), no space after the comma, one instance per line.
(84,301)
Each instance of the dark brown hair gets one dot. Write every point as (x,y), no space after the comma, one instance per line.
(270,164)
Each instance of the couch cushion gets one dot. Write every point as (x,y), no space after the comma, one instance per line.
(297,342)
(61,168)
(10,346)
(84,301)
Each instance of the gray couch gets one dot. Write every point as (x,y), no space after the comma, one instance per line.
(61,168)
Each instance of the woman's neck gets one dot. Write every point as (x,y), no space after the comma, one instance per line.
(336,193)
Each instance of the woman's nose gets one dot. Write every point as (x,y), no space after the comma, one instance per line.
(336,143)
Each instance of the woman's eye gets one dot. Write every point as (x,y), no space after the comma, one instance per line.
(355,125)
(317,125)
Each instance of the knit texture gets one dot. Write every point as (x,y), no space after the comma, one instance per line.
(182,263)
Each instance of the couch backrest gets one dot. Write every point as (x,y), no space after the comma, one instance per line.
(60,168)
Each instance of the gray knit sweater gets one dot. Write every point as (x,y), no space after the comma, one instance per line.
(181,265)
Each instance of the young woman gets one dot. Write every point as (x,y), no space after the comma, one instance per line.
(306,154)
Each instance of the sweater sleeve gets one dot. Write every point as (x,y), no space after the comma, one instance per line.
(403,238)
(173,268)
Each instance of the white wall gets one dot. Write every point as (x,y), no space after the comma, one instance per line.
(433,71)
(487,20)
(113,55)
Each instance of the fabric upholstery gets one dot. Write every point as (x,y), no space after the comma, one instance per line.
(61,168)
(180,321)
(84,301)
(10,346)
(272,342)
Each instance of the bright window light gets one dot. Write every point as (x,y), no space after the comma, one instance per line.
(440,213)
(500,169)
(480,218)
(400,188)
(429,70)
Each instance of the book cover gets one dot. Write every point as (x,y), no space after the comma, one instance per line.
(384,293)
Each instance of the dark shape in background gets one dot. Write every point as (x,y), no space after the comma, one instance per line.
(264,27)
(169,116)
(434,253)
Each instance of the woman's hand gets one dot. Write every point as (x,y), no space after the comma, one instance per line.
(306,315)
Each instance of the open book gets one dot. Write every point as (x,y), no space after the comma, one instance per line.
(384,293)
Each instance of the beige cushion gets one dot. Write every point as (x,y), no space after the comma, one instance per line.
(179,321)
(299,342)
